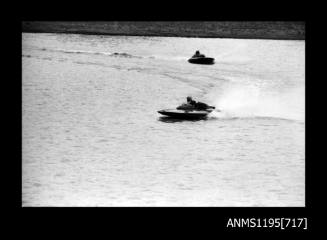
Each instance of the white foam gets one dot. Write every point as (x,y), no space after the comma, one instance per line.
(251,101)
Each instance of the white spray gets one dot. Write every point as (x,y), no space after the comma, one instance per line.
(252,101)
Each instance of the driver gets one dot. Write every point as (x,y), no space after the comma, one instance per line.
(198,105)
(193,105)
(197,54)
(190,101)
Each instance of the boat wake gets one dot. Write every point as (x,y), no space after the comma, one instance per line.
(233,116)
(114,54)
(253,102)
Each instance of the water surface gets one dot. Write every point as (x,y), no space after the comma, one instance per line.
(92,135)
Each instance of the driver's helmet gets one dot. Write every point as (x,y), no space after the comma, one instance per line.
(189,99)
(197,52)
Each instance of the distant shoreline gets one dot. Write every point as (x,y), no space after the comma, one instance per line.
(238,30)
(150,35)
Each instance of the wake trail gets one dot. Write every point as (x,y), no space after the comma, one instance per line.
(252,102)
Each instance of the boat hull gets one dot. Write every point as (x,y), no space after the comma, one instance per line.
(184,114)
(204,60)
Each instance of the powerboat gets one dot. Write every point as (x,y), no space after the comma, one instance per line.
(185,114)
(201,60)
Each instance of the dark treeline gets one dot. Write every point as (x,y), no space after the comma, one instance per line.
(249,30)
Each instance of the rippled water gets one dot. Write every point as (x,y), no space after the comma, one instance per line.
(92,135)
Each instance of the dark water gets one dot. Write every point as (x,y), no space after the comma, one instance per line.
(92,135)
